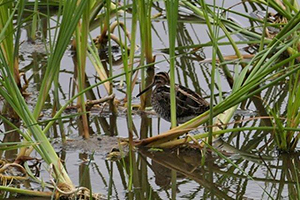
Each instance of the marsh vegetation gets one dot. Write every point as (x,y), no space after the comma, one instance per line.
(72,127)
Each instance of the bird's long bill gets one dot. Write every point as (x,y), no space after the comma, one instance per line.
(145,90)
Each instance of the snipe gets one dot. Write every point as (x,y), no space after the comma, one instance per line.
(189,104)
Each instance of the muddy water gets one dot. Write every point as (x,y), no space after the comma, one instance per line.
(270,175)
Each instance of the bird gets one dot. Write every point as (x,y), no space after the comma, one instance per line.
(189,104)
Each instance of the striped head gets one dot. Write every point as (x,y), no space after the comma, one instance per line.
(161,78)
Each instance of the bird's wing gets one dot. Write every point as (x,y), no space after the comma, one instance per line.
(163,98)
(187,101)
(192,101)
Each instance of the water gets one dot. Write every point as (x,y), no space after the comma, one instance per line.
(261,172)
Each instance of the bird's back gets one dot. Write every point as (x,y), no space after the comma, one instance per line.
(188,103)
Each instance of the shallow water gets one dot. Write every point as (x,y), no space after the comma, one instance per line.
(216,178)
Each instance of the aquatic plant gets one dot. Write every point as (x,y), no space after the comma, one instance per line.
(253,76)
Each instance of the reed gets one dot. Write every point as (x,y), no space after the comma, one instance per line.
(12,95)
(70,18)
(11,91)
(262,67)
(144,18)
(110,59)
(81,38)
(9,48)
(172,15)
(276,61)
(34,20)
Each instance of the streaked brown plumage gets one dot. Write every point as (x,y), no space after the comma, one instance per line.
(189,104)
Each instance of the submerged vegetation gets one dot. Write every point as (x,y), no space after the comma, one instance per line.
(78,65)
